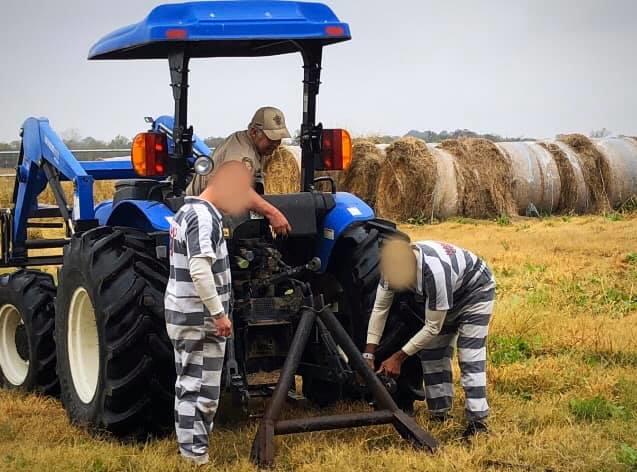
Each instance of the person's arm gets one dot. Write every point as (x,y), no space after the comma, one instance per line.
(378,318)
(203,234)
(204,282)
(277,220)
(433,324)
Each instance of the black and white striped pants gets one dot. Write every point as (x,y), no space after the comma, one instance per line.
(468,328)
(199,356)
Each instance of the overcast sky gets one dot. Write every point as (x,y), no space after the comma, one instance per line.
(517,68)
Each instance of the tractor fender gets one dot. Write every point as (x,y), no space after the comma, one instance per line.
(348,210)
(145,215)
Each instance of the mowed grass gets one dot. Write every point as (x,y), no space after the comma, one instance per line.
(562,376)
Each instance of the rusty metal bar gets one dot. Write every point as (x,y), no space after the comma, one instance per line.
(263,445)
(323,423)
(404,424)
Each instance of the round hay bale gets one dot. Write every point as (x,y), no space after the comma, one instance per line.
(594,168)
(445,198)
(407,181)
(361,178)
(620,157)
(582,203)
(535,179)
(484,184)
(569,197)
(281,172)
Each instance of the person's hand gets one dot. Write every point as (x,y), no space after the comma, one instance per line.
(370,363)
(223,326)
(279,223)
(391,366)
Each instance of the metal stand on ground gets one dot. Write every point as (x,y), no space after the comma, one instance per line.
(263,445)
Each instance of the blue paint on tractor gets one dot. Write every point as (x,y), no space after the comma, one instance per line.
(145,215)
(349,209)
(225,29)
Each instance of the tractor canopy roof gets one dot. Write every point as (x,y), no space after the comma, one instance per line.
(239,28)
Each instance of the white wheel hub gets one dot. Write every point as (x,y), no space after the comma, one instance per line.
(83,345)
(14,368)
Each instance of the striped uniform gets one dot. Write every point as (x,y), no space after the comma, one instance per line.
(196,231)
(455,280)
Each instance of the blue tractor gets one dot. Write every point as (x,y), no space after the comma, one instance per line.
(302,304)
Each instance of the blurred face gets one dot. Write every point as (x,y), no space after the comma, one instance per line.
(265,146)
(231,185)
(398,265)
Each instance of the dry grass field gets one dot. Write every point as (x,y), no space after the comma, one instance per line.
(563,374)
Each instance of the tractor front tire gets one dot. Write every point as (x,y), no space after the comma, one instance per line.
(115,361)
(27,347)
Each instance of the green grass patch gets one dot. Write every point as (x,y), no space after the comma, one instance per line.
(531,268)
(624,359)
(508,349)
(627,455)
(596,408)
(631,258)
(503,220)
(614,216)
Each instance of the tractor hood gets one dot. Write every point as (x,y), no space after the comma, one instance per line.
(240,28)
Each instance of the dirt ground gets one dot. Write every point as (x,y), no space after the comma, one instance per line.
(562,374)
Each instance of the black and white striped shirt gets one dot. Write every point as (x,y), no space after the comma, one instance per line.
(445,273)
(197,231)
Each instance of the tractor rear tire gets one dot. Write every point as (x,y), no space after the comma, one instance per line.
(355,264)
(115,360)
(27,346)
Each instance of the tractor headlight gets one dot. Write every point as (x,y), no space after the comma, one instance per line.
(203,165)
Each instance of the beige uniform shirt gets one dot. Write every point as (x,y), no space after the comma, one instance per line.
(237,147)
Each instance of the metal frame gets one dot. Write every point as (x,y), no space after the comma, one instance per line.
(263,449)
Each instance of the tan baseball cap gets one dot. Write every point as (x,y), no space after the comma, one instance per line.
(271,121)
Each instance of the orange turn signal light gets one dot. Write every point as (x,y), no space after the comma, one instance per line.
(336,149)
(150,154)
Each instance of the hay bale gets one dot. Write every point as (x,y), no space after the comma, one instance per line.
(568,184)
(445,198)
(407,180)
(484,183)
(594,168)
(361,178)
(582,204)
(620,157)
(281,172)
(535,177)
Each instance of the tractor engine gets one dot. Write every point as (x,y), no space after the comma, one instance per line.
(268,294)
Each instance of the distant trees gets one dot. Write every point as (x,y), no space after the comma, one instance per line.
(600,133)
(433,137)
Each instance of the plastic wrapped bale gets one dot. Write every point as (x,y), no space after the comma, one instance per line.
(573,193)
(445,195)
(407,181)
(281,172)
(620,156)
(535,176)
(361,178)
(594,168)
(483,178)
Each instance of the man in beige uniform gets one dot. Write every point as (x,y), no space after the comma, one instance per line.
(251,146)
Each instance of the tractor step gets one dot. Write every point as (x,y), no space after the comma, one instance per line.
(48,211)
(34,224)
(45,243)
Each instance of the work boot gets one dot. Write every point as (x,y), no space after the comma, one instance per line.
(440,416)
(474,428)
